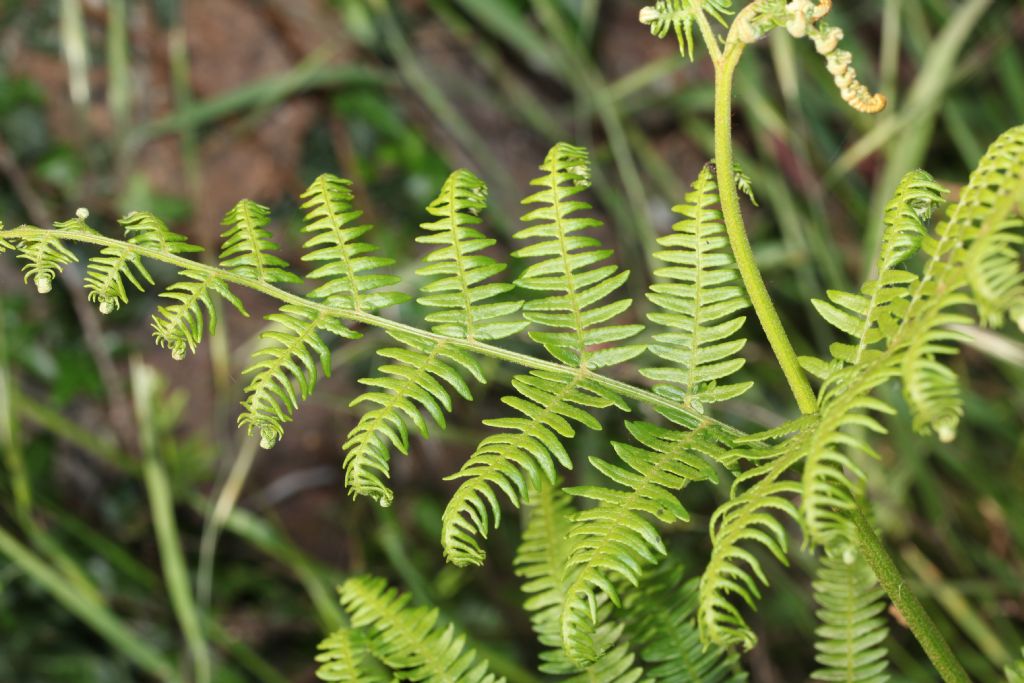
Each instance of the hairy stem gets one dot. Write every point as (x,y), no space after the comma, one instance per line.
(920,624)
(735,228)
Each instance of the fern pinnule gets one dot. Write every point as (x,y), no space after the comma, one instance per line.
(348,268)
(518,458)
(412,384)
(345,657)
(615,540)
(698,304)
(285,370)
(850,639)
(247,245)
(460,288)
(147,230)
(915,200)
(575,292)
(410,640)
(660,618)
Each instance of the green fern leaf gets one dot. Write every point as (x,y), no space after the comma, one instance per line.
(349,268)
(345,657)
(733,569)
(660,616)
(411,385)
(542,561)
(517,459)
(459,287)
(916,198)
(46,256)
(409,640)
(4,244)
(576,309)
(288,362)
(247,245)
(615,540)
(852,615)
(698,304)
(180,326)
(679,16)
(106,273)
(460,272)
(989,213)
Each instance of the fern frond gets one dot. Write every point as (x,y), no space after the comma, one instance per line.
(516,459)
(660,617)
(412,385)
(349,270)
(409,640)
(460,288)
(575,304)
(247,245)
(699,304)
(615,540)
(733,569)
(542,561)
(679,16)
(285,371)
(852,615)
(180,326)
(989,212)
(915,200)
(345,657)
(45,256)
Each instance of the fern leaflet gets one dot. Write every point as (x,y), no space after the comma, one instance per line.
(699,304)
(852,615)
(247,245)
(409,640)
(345,657)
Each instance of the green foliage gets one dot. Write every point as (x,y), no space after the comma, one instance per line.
(679,16)
(410,640)
(575,293)
(852,616)
(699,304)
(661,618)
(345,657)
(247,245)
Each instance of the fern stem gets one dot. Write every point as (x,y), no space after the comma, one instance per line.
(735,228)
(624,389)
(920,624)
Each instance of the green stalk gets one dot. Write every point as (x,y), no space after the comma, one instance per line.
(161,503)
(735,228)
(920,624)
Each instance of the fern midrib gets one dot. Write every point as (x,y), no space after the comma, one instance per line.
(570,280)
(621,388)
(256,251)
(467,302)
(357,299)
(698,294)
